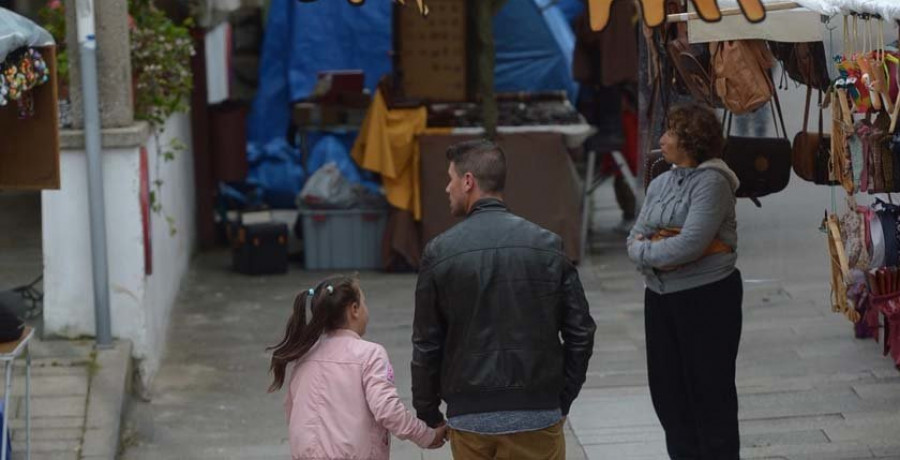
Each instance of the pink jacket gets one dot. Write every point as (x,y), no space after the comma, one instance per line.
(341,402)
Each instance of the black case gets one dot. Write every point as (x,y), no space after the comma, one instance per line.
(260,249)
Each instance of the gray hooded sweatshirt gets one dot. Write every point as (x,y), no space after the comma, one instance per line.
(700,201)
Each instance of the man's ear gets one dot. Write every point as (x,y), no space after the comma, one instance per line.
(469,182)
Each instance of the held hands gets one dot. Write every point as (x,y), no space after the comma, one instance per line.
(440,436)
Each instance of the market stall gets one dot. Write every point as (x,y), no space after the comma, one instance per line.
(395,117)
(849,142)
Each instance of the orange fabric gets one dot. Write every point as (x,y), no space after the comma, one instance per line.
(716,247)
(387,144)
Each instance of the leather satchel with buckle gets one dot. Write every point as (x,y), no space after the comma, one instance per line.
(811,153)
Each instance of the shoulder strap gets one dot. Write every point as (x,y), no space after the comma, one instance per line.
(806,112)
(780,116)
(821,113)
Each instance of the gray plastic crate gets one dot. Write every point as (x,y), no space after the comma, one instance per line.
(342,240)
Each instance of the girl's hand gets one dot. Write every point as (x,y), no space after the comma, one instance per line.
(440,436)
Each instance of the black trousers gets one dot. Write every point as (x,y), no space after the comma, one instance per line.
(692,343)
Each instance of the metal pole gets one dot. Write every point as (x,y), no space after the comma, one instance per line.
(585,205)
(769,7)
(4,433)
(28,400)
(87,46)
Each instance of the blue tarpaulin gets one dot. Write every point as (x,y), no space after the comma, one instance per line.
(534,45)
(304,38)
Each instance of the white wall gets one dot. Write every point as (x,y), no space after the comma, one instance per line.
(140,305)
(171,253)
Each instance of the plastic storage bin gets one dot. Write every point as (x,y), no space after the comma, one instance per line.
(343,239)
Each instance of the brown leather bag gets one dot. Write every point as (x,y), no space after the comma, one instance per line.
(811,152)
(741,69)
(692,65)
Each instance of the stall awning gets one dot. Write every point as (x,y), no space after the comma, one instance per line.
(889,9)
(752,10)
(793,25)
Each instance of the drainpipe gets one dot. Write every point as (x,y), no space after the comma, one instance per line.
(87,49)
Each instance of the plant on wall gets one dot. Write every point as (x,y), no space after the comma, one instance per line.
(53,18)
(161,63)
(161,53)
(161,68)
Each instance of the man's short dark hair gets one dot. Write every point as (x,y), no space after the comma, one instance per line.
(484,159)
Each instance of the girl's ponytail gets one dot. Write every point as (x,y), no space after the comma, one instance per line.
(292,333)
(327,303)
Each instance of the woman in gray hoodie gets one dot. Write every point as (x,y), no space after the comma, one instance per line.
(684,242)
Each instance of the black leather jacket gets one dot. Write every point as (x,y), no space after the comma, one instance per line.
(501,320)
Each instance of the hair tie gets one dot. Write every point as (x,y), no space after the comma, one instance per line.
(330,289)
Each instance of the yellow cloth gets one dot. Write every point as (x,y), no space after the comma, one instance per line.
(387,145)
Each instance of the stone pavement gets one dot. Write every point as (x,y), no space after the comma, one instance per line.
(808,389)
(77,398)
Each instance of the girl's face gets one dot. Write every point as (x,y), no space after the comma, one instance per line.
(358,315)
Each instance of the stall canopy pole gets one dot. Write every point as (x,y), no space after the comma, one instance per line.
(779,6)
(484,29)
(87,46)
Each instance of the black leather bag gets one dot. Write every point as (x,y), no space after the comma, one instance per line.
(654,165)
(11,326)
(805,63)
(762,164)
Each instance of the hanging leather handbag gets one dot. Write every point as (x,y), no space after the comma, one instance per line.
(763,165)
(11,326)
(654,165)
(811,153)
(741,74)
(691,62)
(805,62)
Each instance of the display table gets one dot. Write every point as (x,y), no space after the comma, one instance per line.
(541,184)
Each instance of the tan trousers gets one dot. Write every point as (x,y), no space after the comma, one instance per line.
(546,444)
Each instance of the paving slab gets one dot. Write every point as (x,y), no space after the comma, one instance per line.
(808,389)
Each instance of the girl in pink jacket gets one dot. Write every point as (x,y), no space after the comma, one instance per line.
(341,400)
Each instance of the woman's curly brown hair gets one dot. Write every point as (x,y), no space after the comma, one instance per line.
(699,131)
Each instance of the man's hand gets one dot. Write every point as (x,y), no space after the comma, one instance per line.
(440,436)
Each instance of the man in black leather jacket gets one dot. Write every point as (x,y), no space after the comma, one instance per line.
(502,330)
